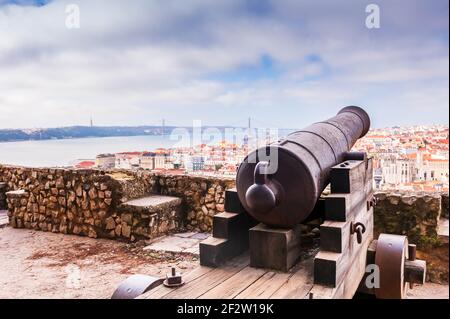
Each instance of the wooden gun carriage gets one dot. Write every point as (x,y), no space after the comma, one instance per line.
(282,236)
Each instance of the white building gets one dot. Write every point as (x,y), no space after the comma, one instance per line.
(433,168)
(396,170)
(128,160)
(105,161)
(194,163)
(156,160)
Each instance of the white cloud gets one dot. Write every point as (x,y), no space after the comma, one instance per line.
(135,62)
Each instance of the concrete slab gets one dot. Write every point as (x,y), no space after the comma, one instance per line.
(153,200)
(172,244)
(185,235)
(18,192)
(201,236)
(187,242)
(193,250)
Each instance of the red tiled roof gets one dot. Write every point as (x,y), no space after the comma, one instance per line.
(85,164)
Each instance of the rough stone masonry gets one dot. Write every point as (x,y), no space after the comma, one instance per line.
(414,215)
(91,202)
(82,202)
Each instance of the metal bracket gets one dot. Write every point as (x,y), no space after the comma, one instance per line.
(372,202)
(174,279)
(359,229)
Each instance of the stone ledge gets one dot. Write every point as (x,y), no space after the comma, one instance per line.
(147,217)
(17,193)
(152,202)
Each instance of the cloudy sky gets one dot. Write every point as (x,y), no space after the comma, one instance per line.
(284,63)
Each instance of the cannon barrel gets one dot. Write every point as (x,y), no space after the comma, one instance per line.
(280,183)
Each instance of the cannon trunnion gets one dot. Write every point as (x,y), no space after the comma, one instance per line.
(280,184)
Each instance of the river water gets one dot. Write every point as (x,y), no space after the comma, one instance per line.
(64,152)
(58,153)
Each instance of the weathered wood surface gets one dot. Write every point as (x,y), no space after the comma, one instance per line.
(340,264)
(350,271)
(274,248)
(230,233)
(232,203)
(237,280)
(342,205)
(333,272)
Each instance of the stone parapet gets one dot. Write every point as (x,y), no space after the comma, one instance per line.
(80,201)
(414,215)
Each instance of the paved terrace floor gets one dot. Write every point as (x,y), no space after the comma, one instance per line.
(46,265)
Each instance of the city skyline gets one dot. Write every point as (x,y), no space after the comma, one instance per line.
(284,63)
(403,159)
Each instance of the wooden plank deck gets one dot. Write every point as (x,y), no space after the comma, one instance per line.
(237,280)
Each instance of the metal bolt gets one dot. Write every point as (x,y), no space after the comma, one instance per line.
(412,249)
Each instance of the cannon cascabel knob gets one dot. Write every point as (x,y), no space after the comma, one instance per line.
(260,197)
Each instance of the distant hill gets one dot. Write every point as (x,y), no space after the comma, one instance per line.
(15,135)
(10,135)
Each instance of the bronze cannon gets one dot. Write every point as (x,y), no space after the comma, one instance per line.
(286,195)
(320,245)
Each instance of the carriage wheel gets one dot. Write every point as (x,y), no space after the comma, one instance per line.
(390,256)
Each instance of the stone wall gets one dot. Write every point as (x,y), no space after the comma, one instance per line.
(89,202)
(416,216)
(59,200)
(80,201)
(202,197)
